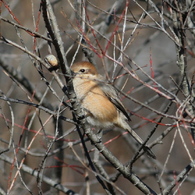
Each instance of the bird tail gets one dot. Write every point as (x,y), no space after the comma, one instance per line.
(140,141)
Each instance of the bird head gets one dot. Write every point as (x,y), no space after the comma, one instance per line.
(83,68)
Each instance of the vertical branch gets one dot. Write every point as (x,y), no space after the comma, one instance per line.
(52,27)
(179,27)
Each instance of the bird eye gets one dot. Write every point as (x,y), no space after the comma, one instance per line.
(82,70)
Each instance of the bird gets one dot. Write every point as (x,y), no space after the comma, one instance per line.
(99,101)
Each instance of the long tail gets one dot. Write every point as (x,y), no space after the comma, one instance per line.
(140,141)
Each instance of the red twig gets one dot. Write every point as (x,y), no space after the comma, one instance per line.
(116,28)
(37,27)
(14,17)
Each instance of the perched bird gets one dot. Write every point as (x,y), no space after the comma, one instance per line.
(99,100)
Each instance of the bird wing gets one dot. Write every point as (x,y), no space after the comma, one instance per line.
(112,95)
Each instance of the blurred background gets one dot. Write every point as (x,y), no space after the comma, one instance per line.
(144,48)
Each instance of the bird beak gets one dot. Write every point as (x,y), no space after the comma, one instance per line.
(73,73)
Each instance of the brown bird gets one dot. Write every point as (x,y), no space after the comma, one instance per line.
(99,100)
